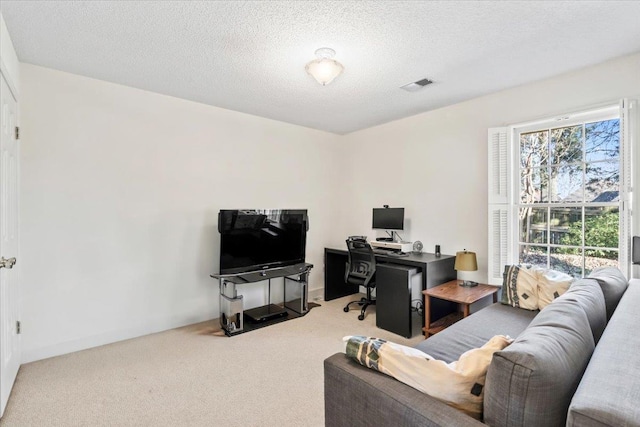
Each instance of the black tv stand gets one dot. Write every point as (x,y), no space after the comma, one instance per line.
(232,313)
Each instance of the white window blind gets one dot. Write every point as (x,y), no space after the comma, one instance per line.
(498,166)
(499,171)
(498,242)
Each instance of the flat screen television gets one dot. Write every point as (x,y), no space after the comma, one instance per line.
(388,218)
(260,239)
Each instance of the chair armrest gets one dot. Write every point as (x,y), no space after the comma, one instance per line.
(357,396)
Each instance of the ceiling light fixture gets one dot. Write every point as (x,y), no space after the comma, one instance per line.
(324,69)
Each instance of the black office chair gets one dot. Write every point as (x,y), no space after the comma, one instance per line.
(360,270)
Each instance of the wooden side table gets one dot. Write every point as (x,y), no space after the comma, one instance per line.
(452,291)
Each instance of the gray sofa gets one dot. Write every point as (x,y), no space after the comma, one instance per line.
(574,363)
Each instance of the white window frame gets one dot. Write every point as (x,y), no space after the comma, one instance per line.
(504,146)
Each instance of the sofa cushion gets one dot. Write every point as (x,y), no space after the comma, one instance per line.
(359,397)
(587,293)
(531,382)
(459,384)
(475,330)
(551,284)
(610,388)
(613,284)
(520,287)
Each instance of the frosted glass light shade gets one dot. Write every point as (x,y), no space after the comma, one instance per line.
(324,69)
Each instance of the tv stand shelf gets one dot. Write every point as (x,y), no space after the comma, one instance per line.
(235,320)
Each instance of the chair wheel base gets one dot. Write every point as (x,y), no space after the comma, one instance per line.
(346,309)
(361,317)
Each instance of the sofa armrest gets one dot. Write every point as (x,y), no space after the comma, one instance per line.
(357,396)
(609,389)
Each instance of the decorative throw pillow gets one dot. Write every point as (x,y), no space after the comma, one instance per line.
(551,284)
(459,384)
(520,287)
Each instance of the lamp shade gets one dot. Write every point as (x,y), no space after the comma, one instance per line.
(466,261)
(324,69)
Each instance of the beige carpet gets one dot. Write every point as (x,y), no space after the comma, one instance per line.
(192,377)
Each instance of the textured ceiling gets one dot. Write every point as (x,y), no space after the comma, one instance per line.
(249,56)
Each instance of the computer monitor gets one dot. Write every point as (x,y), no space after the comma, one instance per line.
(388,218)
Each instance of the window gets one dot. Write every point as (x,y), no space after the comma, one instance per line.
(560,192)
(568,203)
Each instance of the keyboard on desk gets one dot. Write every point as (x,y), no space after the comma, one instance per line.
(388,252)
(381,251)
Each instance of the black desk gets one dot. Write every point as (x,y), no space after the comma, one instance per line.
(397,304)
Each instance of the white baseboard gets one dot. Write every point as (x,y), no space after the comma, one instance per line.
(85,343)
(316,295)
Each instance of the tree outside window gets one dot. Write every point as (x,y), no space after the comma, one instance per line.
(569,196)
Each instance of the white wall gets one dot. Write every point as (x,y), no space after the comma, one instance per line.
(120,194)
(120,190)
(435,164)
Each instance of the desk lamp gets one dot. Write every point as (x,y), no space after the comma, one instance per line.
(466,261)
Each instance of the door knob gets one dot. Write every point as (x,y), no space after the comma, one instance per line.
(7,263)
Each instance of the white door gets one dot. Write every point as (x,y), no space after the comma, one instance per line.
(9,290)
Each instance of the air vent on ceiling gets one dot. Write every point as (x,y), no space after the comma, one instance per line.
(412,87)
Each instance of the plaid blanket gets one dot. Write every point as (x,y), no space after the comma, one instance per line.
(459,384)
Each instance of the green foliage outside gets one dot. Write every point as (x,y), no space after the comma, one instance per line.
(600,230)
